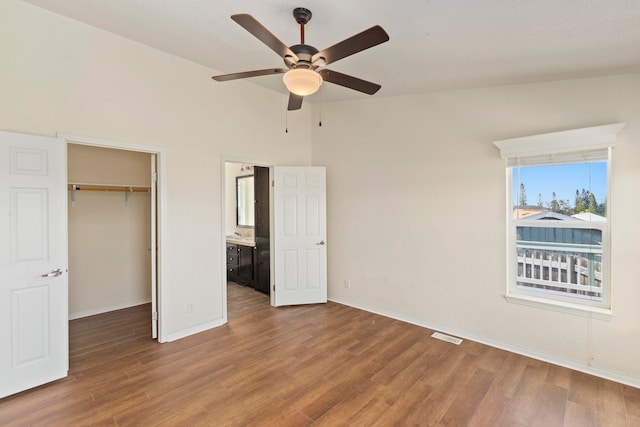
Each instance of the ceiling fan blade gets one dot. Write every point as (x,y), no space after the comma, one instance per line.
(245,74)
(354,44)
(252,25)
(295,102)
(349,81)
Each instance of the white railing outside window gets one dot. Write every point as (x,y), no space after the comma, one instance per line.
(561,259)
(562,268)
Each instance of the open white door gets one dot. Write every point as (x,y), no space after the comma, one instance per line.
(154,252)
(33,262)
(300,228)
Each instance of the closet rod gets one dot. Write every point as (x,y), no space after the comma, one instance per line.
(112,188)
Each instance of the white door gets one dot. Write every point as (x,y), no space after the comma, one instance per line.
(300,230)
(33,262)
(154,252)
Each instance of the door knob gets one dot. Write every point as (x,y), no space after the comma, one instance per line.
(320,243)
(54,273)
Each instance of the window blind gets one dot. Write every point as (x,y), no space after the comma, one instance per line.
(560,158)
(570,146)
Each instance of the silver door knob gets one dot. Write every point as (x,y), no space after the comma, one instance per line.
(54,273)
(320,243)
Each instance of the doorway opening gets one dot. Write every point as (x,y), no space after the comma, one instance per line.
(116,203)
(247,230)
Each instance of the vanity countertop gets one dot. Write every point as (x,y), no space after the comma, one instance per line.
(246,241)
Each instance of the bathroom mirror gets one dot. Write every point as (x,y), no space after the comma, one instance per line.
(245,209)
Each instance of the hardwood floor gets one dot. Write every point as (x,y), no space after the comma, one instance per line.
(325,365)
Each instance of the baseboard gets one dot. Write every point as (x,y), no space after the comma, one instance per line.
(567,363)
(100,310)
(194,330)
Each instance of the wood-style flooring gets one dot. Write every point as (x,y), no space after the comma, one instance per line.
(322,365)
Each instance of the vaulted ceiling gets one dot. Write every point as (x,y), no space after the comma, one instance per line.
(434,45)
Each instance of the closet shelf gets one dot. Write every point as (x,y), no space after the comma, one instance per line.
(112,188)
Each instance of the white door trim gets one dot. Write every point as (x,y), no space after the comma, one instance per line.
(153,249)
(160,153)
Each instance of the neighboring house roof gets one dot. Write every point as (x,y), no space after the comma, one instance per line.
(524,211)
(588,216)
(548,215)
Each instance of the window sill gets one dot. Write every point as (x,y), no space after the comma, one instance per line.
(561,306)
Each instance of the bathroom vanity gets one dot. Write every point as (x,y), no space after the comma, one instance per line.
(240,261)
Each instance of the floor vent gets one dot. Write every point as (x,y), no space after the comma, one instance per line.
(447,338)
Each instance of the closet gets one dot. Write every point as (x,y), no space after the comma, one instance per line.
(109,229)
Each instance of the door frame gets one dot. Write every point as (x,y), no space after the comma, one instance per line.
(223,217)
(161,205)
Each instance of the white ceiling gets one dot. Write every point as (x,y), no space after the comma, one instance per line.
(434,44)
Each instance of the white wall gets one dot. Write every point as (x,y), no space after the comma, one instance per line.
(96,165)
(109,241)
(416,213)
(109,261)
(62,76)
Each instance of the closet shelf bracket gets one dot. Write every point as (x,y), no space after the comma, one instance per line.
(73,195)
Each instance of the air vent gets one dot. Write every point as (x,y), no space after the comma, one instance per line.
(446,338)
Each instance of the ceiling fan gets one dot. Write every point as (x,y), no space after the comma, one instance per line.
(304,73)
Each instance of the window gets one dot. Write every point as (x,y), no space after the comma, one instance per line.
(558,218)
(559,238)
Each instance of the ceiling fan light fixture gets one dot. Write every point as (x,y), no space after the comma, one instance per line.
(302,81)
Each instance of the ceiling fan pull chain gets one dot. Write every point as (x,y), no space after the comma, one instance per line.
(286,121)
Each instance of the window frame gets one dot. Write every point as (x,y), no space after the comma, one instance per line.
(563,144)
(565,302)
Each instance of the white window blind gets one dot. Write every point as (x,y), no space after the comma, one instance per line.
(568,146)
(599,155)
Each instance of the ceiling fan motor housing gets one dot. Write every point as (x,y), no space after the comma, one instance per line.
(304,52)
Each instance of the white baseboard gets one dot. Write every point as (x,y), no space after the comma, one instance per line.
(194,330)
(608,374)
(100,310)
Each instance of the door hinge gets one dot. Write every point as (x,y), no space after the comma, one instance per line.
(273,183)
(274,287)
(154,315)
(154,176)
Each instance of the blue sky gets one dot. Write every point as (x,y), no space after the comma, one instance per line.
(563,179)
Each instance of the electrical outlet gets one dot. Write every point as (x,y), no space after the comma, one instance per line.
(189,308)
(347,284)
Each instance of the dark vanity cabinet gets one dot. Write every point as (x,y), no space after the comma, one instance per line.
(246,264)
(232,262)
(262,254)
(240,264)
